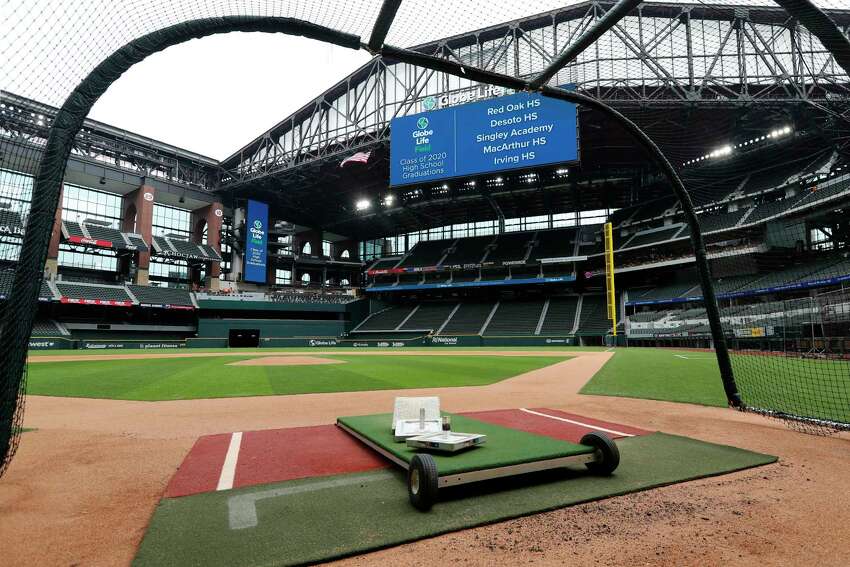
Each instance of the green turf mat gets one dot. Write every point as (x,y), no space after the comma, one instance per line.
(318,519)
(504,446)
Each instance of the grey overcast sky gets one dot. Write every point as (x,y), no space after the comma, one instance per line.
(216,94)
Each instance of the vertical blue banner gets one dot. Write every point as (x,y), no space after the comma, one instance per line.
(256,227)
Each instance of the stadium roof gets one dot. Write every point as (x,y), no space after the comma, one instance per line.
(317,192)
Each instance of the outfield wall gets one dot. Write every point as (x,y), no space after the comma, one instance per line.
(59,343)
(49,343)
(216,328)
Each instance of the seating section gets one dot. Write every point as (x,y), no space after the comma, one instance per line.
(497,274)
(593,318)
(663,292)
(468,319)
(426,253)
(44,292)
(186,248)
(811,271)
(161,295)
(210,252)
(297,295)
(92,292)
(7,278)
(181,248)
(74,231)
(105,233)
(429,317)
(720,221)
(652,237)
(768,209)
(464,277)
(712,191)
(510,247)
(590,241)
(560,317)
(384,263)
(824,192)
(386,320)
(654,209)
(136,240)
(786,315)
(772,178)
(558,243)
(46,328)
(468,251)
(730,284)
(515,318)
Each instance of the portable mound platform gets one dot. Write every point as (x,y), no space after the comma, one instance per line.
(310,494)
(508,452)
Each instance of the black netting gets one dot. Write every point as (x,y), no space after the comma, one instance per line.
(749,108)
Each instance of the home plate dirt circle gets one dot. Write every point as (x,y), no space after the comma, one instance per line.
(285,361)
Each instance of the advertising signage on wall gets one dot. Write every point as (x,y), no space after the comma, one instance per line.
(510,132)
(256,228)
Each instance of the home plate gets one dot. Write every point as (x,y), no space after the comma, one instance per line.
(285,361)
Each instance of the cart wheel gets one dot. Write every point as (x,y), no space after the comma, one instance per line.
(607,454)
(422,481)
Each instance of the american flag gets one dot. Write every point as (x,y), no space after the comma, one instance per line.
(359,157)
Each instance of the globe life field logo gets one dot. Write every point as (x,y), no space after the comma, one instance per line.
(422,135)
(257,232)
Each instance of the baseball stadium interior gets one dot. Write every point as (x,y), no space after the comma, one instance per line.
(535,274)
(150,240)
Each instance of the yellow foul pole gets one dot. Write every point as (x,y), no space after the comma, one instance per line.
(609,277)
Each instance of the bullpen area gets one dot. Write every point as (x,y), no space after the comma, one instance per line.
(235,458)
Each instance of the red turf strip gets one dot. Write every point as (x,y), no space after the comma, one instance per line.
(276,455)
(530,423)
(285,454)
(201,468)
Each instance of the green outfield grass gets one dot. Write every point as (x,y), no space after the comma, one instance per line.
(304,350)
(212,377)
(660,374)
(794,385)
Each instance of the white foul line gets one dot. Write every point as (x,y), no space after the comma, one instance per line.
(564,419)
(228,469)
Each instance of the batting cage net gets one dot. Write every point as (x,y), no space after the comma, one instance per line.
(747,102)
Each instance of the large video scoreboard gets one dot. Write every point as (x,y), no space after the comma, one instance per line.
(510,132)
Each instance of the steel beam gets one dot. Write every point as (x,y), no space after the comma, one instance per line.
(614,15)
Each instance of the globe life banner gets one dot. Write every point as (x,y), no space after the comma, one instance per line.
(522,130)
(257,237)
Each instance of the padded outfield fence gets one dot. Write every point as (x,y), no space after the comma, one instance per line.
(68,55)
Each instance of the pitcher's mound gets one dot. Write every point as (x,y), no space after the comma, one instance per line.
(285,361)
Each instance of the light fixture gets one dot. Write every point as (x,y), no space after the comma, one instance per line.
(388,200)
(103,181)
(362,204)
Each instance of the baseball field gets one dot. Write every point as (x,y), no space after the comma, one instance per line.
(145,437)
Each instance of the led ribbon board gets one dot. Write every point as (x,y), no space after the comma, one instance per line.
(510,132)
(256,228)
